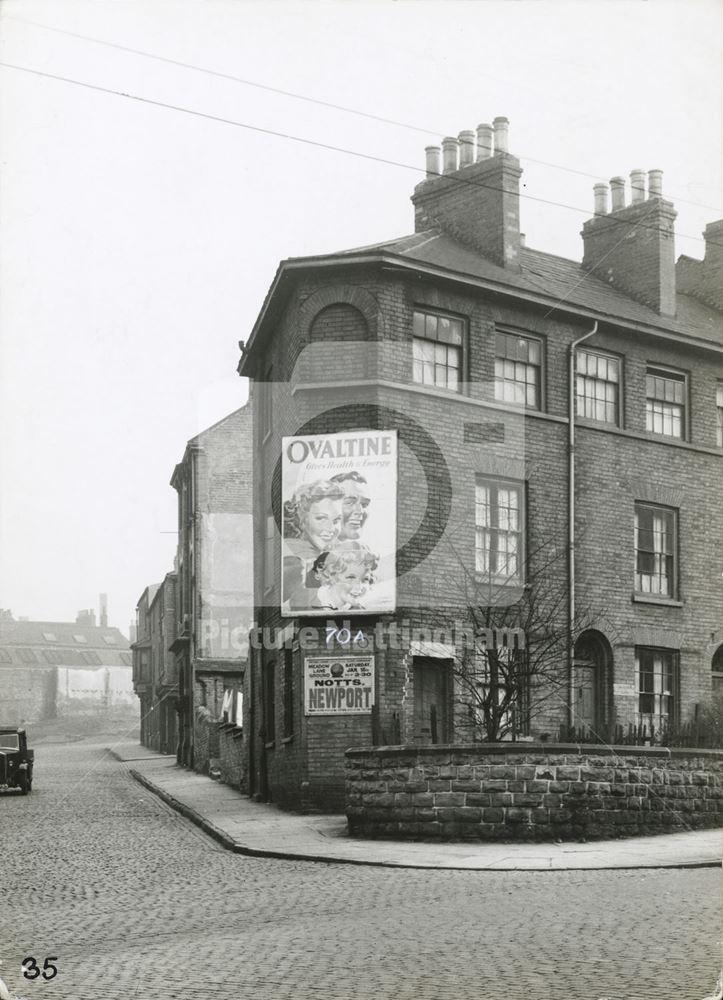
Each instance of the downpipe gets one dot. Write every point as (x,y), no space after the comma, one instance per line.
(571,608)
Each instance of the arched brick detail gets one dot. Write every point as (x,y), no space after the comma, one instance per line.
(339,322)
(350,295)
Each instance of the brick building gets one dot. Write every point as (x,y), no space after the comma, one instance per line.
(155,678)
(214,599)
(141,651)
(62,669)
(560,428)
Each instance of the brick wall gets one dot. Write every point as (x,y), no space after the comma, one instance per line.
(530,792)
(27,694)
(478,205)
(633,249)
(478,436)
(205,739)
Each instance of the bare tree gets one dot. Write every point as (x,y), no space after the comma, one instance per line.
(514,662)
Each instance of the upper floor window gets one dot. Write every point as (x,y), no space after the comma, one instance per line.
(655,550)
(665,402)
(598,387)
(498,530)
(437,344)
(719,413)
(518,370)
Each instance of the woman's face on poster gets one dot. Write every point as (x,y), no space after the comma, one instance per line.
(322,523)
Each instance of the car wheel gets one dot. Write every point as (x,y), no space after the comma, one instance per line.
(23,784)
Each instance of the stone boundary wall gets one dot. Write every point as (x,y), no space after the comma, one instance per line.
(530,791)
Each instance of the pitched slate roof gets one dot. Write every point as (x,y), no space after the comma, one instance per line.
(24,644)
(553,277)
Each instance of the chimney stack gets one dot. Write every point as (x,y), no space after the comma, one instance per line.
(450,154)
(601,199)
(434,160)
(103,607)
(632,247)
(476,201)
(637,186)
(655,183)
(617,190)
(501,126)
(466,148)
(703,279)
(484,142)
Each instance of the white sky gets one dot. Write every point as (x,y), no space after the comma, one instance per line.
(138,242)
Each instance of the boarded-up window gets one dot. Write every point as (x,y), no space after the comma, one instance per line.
(339,322)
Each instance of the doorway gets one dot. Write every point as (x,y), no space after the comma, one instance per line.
(592,711)
(432,682)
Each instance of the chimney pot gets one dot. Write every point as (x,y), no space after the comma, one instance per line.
(484,141)
(601,199)
(450,154)
(501,134)
(617,190)
(433,154)
(655,184)
(466,148)
(637,186)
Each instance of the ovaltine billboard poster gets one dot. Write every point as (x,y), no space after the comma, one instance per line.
(339,523)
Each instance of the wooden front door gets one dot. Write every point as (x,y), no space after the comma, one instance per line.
(431,701)
(584,697)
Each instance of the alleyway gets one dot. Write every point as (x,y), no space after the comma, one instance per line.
(134,902)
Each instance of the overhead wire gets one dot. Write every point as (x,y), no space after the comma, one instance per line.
(304,97)
(454,178)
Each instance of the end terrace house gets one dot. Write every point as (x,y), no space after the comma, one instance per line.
(213,593)
(487,480)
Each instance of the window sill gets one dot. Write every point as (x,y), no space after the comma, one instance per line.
(288,739)
(270,746)
(592,422)
(500,583)
(666,602)
(439,388)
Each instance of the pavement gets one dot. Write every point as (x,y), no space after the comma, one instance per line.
(262,830)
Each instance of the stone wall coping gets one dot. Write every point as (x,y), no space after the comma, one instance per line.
(546,749)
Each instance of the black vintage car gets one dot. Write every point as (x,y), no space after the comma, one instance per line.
(16,761)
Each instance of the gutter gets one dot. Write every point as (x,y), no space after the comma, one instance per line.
(571,398)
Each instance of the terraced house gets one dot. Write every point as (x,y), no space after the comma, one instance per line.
(556,433)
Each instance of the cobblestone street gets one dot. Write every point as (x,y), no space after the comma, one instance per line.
(135,902)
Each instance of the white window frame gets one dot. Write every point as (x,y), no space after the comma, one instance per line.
(495,532)
(663,678)
(592,372)
(663,411)
(508,387)
(433,344)
(665,559)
